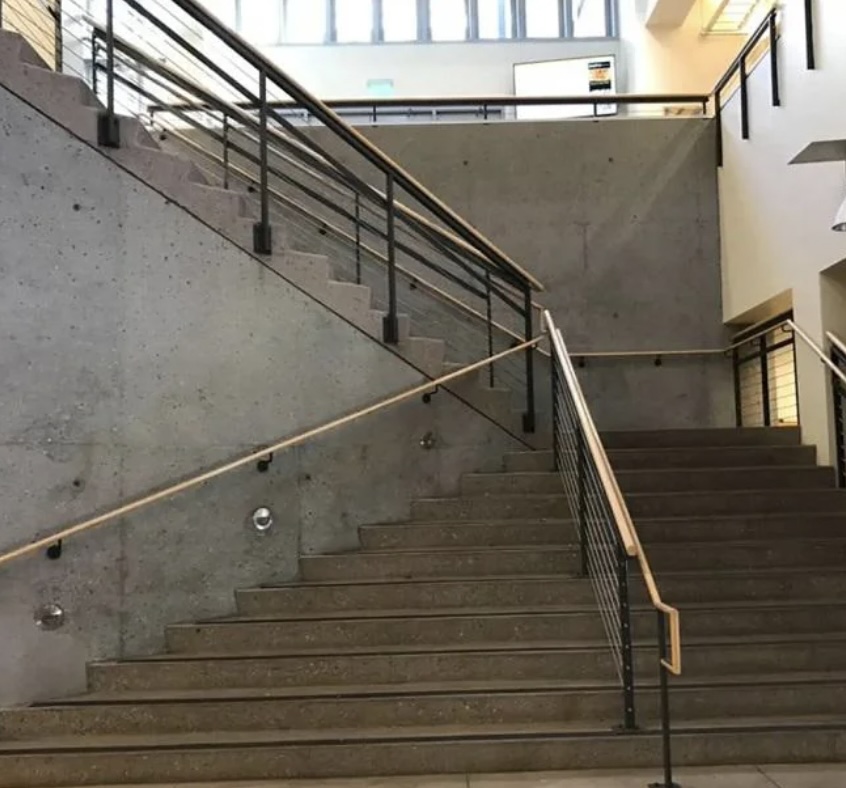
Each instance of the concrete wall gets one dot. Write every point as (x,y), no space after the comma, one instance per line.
(138,346)
(618,219)
(776,217)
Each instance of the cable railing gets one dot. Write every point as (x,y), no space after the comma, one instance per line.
(608,540)
(837,354)
(135,54)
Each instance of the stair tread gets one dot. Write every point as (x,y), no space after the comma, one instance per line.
(405,614)
(534,646)
(406,689)
(743,572)
(699,469)
(504,731)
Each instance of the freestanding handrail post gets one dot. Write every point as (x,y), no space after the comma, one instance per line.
(390,323)
(108,127)
(262,231)
(529,415)
(666,742)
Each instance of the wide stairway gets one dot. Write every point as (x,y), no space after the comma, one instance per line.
(464,640)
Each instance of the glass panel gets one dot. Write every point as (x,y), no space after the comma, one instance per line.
(258,21)
(305,21)
(448,20)
(354,21)
(589,19)
(495,19)
(542,20)
(399,20)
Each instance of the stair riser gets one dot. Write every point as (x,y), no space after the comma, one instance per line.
(716,660)
(595,708)
(432,757)
(765,555)
(505,534)
(658,481)
(273,636)
(541,507)
(785,587)
(418,596)
(637,459)
(704,438)
(411,565)
(708,504)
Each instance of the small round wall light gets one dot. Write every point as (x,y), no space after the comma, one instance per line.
(262,519)
(50,617)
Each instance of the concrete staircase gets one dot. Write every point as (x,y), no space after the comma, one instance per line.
(464,641)
(232,212)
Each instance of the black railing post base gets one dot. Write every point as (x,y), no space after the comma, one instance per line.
(262,238)
(664,785)
(529,424)
(390,329)
(108,130)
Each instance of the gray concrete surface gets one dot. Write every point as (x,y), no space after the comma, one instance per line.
(619,220)
(138,345)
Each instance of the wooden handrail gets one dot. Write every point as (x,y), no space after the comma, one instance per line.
(195,481)
(622,518)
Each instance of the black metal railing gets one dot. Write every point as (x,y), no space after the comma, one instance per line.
(609,547)
(136,54)
(764,360)
(838,400)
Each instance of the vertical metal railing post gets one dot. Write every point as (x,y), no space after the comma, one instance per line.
(666,743)
(774,60)
(262,231)
(94,52)
(1,13)
(738,393)
(390,323)
(765,380)
(810,54)
(838,394)
(629,719)
(357,238)
(58,36)
(744,101)
(225,151)
(529,415)
(108,127)
(581,471)
(489,318)
(556,415)
(718,127)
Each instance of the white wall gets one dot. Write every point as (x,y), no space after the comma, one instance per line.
(442,69)
(673,60)
(776,217)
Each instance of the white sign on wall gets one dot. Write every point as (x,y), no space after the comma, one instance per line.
(571,77)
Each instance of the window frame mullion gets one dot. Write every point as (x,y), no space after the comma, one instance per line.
(424,22)
(330,34)
(567,18)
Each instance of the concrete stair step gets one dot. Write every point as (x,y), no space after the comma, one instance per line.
(444,563)
(706,438)
(663,480)
(505,533)
(463,703)
(480,626)
(14,49)
(722,656)
(679,457)
(257,755)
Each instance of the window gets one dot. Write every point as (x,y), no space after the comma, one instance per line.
(495,19)
(258,21)
(224,10)
(589,19)
(305,21)
(353,21)
(399,20)
(448,20)
(543,19)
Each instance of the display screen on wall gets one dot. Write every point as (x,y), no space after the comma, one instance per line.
(572,77)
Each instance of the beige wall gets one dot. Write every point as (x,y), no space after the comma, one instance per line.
(32,20)
(776,217)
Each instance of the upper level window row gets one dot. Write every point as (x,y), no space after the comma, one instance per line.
(385,21)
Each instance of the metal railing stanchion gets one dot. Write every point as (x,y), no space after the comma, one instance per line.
(390,323)
(262,231)
(108,125)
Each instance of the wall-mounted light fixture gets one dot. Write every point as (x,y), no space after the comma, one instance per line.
(262,519)
(839,225)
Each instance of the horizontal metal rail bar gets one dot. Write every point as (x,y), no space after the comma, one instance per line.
(287,443)
(480,101)
(818,351)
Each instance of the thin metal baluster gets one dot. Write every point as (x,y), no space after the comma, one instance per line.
(390,323)
(262,231)
(108,127)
